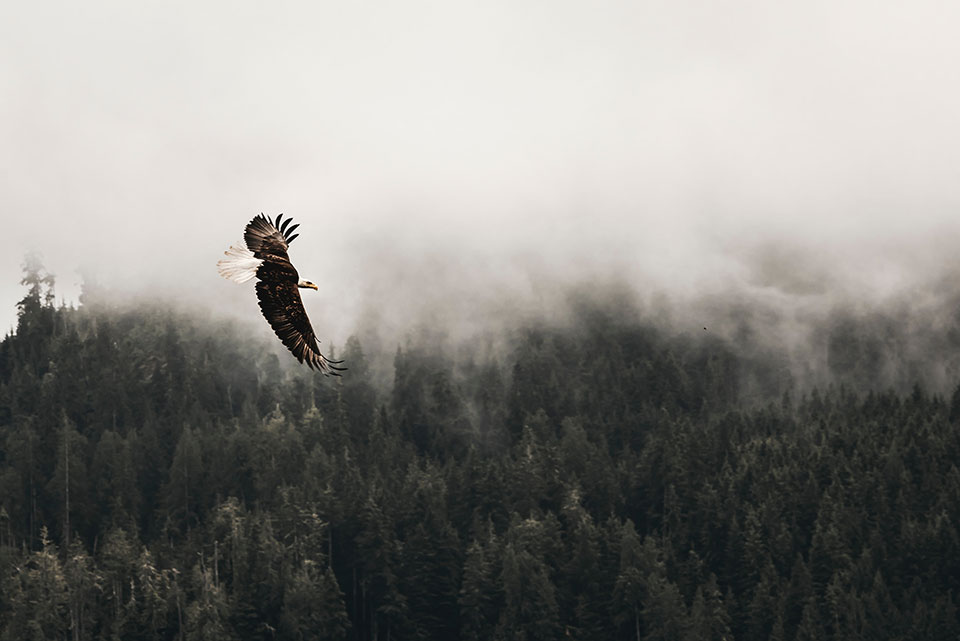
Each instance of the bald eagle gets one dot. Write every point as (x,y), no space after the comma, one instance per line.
(265,257)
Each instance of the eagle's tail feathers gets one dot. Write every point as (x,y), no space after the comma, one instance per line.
(240,265)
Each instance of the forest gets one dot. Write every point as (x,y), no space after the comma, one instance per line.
(165,474)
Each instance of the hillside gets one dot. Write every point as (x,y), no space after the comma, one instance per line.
(169,475)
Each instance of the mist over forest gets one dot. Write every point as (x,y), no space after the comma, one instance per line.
(592,463)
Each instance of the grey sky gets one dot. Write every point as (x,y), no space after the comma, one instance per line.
(665,140)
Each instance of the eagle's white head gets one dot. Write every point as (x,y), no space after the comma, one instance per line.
(306,284)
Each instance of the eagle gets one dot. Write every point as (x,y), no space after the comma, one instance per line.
(263,255)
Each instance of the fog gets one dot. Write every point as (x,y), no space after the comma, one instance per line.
(464,162)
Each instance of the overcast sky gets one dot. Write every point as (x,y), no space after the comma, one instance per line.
(669,141)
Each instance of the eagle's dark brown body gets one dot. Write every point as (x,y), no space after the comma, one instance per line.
(278,287)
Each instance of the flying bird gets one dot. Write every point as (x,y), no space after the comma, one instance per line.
(263,255)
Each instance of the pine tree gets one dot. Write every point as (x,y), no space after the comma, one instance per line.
(530,610)
(83,583)
(810,628)
(478,595)
(630,584)
(114,478)
(38,597)
(313,605)
(181,492)
(664,613)
(154,588)
(583,591)
(118,569)
(708,620)
(206,618)
(69,485)
(21,479)
(797,594)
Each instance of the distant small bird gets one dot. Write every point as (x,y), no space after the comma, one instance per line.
(265,257)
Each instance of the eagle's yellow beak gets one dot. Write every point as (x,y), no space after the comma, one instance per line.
(312,286)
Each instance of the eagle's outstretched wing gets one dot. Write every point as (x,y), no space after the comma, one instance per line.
(267,238)
(282,307)
(266,254)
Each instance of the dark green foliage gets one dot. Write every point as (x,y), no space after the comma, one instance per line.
(481,591)
(36,599)
(165,476)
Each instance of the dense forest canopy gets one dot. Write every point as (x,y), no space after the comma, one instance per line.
(165,475)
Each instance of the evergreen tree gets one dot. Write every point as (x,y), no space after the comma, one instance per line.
(313,605)
(207,616)
(664,613)
(479,594)
(37,596)
(631,580)
(530,612)
(69,487)
(83,583)
(181,493)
